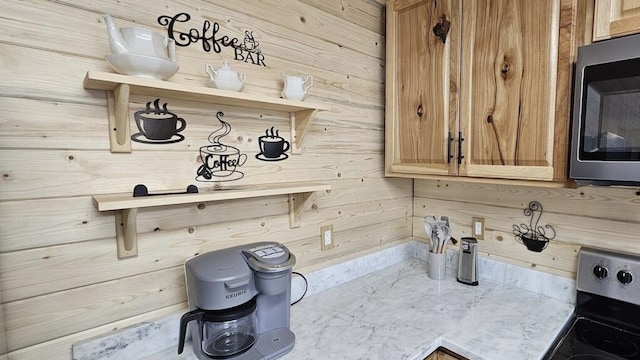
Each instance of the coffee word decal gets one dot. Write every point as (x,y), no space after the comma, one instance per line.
(272,146)
(246,50)
(158,125)
(220,162)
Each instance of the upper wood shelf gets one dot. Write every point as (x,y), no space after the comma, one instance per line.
(119,88)
(126,206)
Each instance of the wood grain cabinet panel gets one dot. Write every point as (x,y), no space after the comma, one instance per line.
(615,18)
(479,89)
(432,356)
(421,107)
(509,58)
(444,354)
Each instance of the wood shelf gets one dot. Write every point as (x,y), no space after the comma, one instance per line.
(119,87)
(126,206)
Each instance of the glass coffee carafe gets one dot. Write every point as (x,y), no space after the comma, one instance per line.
(224,333)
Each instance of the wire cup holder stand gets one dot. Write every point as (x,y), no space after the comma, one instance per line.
(534,236)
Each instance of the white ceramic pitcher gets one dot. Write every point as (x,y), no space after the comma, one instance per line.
(135,40)
(295,88)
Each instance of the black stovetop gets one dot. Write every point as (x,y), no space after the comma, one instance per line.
(591,340)
(600,329)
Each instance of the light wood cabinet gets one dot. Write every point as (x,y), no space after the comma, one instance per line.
(488,100)
(433,356)
(421,91)
(615,18)
(443,354)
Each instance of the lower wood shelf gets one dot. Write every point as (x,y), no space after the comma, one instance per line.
(126,205)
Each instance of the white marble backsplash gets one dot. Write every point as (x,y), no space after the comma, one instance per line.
(331,276)
(148,338)
(542,283)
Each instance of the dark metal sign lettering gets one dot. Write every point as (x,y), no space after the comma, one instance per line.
(220,162)
(246,50)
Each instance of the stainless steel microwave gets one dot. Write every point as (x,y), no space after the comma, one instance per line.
(605,136)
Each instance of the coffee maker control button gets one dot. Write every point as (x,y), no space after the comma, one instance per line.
(625,277)
(600,271)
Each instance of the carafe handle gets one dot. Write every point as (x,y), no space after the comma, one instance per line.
(196,314)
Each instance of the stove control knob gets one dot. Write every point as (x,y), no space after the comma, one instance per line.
(600,271)
(625,277)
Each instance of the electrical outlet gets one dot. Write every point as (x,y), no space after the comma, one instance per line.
(477,227)
(326,237)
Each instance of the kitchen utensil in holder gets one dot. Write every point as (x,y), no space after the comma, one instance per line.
(439,233)
(533,236)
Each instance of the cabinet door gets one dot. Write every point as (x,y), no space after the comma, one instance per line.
(508,82)
(615,18)
(422,76)
(432,356)
(446,356)
(443,355)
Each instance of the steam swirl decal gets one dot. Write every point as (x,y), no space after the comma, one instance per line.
(220,162)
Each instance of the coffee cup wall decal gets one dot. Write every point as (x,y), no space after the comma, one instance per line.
(272,146)
(220,162)
(158,125)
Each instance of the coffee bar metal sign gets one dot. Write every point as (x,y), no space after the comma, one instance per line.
(246,50)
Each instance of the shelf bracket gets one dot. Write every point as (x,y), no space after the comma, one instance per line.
(127,232)
(118,111)
(297,203)
(300,122)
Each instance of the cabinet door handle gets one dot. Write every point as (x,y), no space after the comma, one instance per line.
(460,140)
(449,143)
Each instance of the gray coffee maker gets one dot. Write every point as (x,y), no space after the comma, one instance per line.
(239,301)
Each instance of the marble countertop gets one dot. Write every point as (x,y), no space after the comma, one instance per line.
(399,313)
(383,306)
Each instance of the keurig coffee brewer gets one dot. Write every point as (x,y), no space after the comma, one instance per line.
(239,302)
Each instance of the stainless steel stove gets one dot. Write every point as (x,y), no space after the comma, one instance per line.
(606,322)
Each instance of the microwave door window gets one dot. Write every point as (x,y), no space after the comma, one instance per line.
(610,128)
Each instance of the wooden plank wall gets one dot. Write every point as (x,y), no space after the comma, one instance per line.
(60,279)
(588,216)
